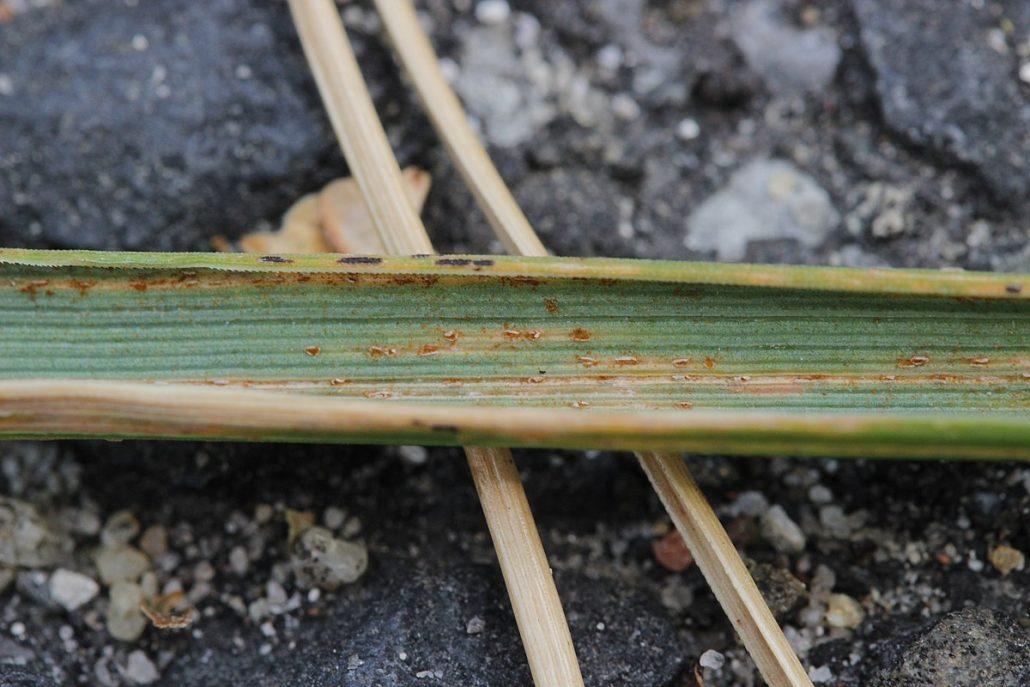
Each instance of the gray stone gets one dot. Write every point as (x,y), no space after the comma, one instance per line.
(765,200)
(151,124)
(783,592)
(789,59)
(974,647)
(26,538)
(942,85)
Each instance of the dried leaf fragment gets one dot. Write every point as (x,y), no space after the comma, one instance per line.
(169,611)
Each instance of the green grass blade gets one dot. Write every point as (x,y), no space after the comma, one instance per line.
(916,360)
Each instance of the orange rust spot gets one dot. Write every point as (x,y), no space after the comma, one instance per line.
(943,558)
(580,404)
(338,381)
(139,285)
(33,286)
(710,363)
(428,349)
(377,394)
(681,362)
(551,304)
(520,281)
(513,333)
(313,350)
(626,360)
(586,360)
(982,360)
(888,378)
(914,361)
(535,380)
(451,335)
(531,335)
(380,351)
(686,405)
(579,334)
(81,285)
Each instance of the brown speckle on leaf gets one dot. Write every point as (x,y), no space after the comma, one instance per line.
(579,334)
(313,350)
(551,304)
(914,361)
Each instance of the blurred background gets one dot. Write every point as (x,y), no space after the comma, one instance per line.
(840,132)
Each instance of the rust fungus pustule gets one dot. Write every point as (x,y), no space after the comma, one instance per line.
(710,363)
(551,304)
(313,350)
(626,360)
(914,361)
(451,335)
(428,349)
(586,360)
(681,362)
(381,351)
(579,334)
(980,360)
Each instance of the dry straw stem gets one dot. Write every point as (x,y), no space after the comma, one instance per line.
(537,607)
(690,511)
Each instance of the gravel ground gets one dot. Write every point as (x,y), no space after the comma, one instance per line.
(844,132)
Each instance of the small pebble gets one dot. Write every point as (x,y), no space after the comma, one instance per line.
(154,541)
(140,670)
(843,612)
(120,529)
(672,553)
(239,561)
(71,589)
(781,532)
(414,455)
(26,538)
(492,12)
(334,517)
(124,619)
(321,560)
(475,625)
(688,129)
(712,660)
(123,564)
(820,675)
(1024,72)
(1005,559)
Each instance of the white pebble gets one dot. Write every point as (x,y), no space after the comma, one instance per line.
(414,455)
(72,589)
(712,659)
(239,561)
(1024,72)
(334,517)
(140,670)
(688,129)
(492,12)
(821,674)
(781,532)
